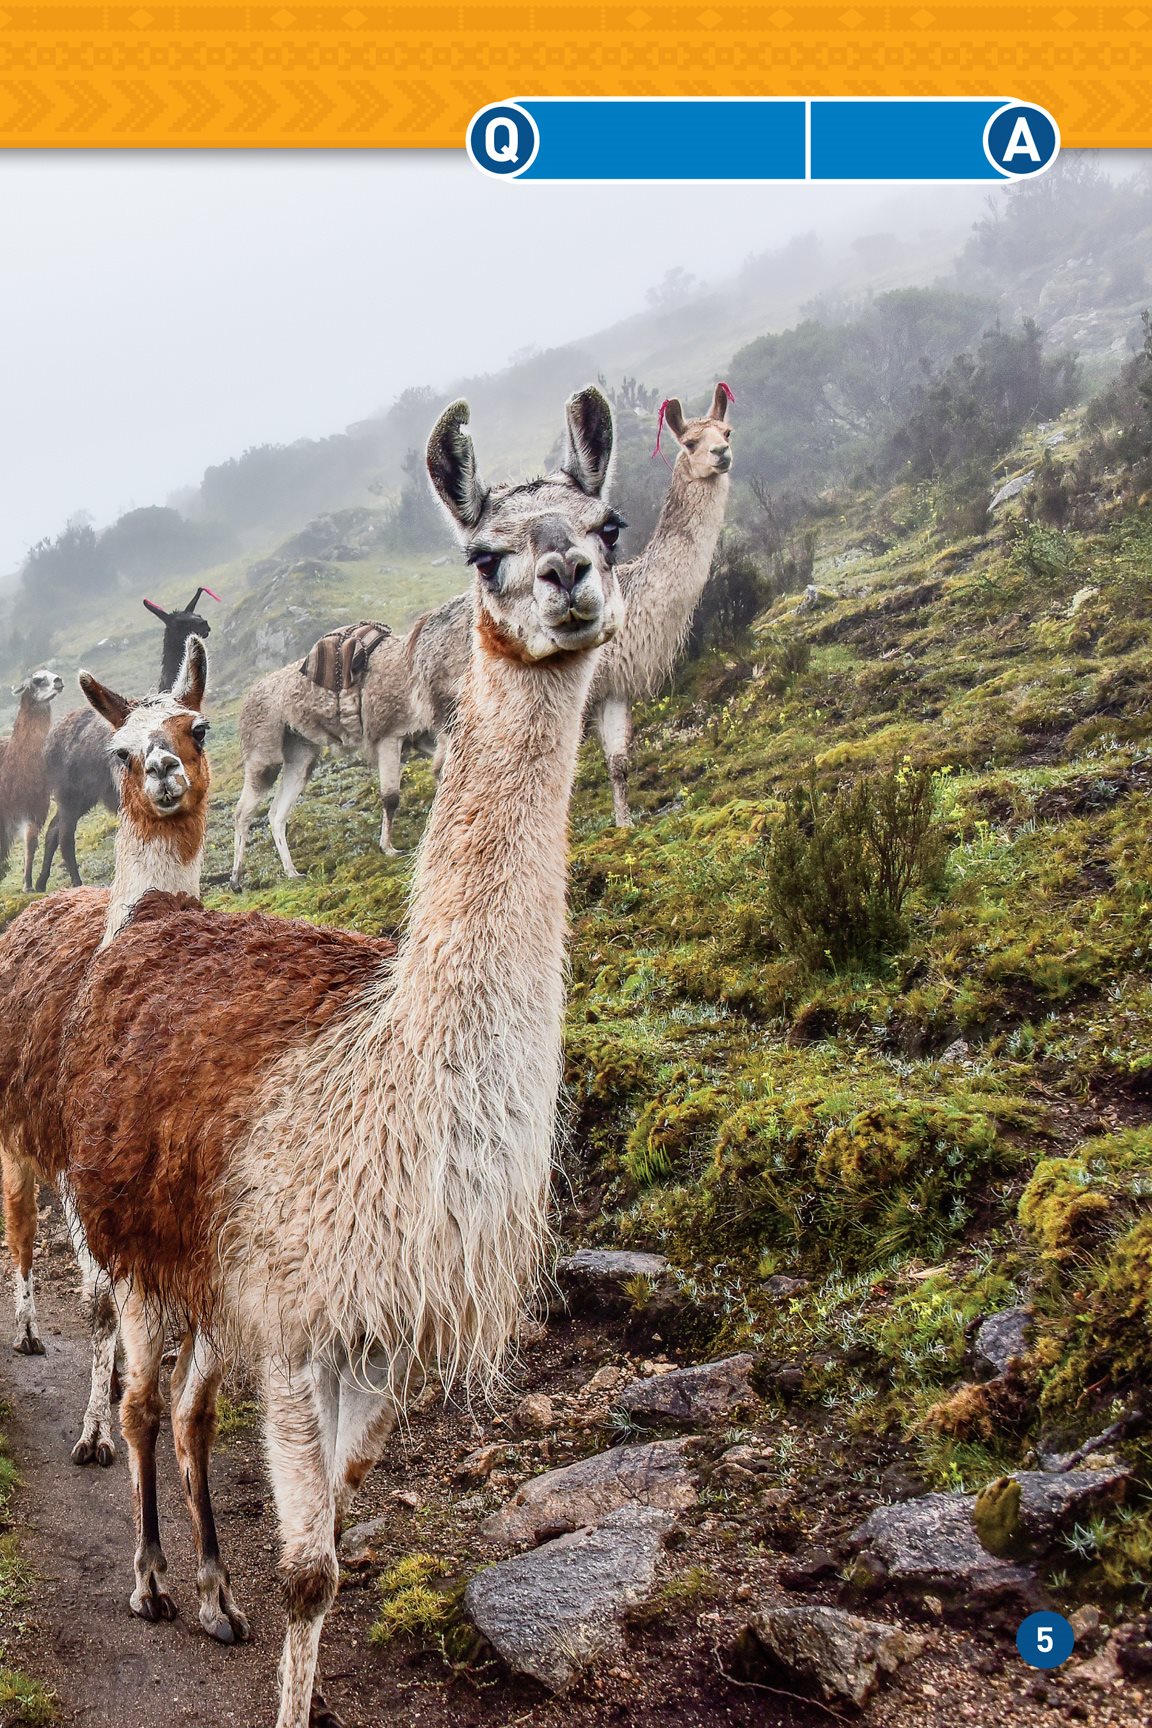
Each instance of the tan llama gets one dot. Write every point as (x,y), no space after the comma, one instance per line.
(332,1157)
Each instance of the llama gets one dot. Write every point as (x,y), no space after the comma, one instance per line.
(23,778)
(157,749)
(287,723)
(662,587)
(412,685)
(330,1156)
(76,756)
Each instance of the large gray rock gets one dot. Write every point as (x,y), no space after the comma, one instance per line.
(690,1397)
(929,1544)
(655,1475)
(596,1277)
(1001,1339)
(840,1655)
(553,1611)
(1050,1504)
(1012,489)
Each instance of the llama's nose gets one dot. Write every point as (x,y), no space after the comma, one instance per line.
(164,765)
(564,569)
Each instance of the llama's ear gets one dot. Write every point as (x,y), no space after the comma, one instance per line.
(157,611)
(674,417)
(721,397)
(111,707)
(193,674)
(452,467)
(588,448)
(19,689)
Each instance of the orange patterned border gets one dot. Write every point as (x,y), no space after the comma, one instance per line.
(349,76)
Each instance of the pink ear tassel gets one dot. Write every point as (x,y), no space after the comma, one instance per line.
(663,409)
(722,386)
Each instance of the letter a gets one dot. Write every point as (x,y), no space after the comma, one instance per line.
(1021,143)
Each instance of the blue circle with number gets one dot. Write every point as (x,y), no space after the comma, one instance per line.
(1045,1640)
(503,140)
(1021,139)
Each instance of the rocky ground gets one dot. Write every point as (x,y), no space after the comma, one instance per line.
(622,1525)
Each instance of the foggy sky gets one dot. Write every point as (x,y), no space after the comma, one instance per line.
(164,311)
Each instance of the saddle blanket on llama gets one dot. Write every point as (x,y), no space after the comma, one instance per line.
(339,661)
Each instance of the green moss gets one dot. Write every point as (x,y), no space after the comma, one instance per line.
(412,1605)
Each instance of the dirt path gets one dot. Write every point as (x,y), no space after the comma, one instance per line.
(110,1670)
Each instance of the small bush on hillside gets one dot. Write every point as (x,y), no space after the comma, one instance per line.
(738,589)
(841,866)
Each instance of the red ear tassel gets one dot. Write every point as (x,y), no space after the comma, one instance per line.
(219,602)
(663,409)
(722,386)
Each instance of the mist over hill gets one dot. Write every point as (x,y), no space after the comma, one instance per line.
(838,346)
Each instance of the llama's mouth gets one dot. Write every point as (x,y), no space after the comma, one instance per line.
(166,799)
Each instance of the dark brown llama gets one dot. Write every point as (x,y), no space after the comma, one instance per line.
(76,757)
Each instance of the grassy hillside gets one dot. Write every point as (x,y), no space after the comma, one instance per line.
(928,1109)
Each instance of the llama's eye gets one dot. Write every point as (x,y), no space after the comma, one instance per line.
(610,533)
(199,733)
(123,756)
(488,564)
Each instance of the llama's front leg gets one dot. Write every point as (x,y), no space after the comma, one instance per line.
(301,1412)
(31,841)
(68,849)
(388,755)
(257,781)
(96,1443)
(51,839)
(195,1385)
(142,1333)
(20,1228)
(614,724)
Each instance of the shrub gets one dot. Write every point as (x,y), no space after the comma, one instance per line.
(842,865)
(738,588)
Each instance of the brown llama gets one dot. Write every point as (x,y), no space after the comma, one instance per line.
(332,1159)
(23,777)
(157,752)
(76,756)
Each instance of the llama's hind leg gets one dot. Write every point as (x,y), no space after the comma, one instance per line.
(195,1386)
(20,1228)
(31,841)
(96,1444)
(142,1330)
(367,1418)
(614,724)
(301,1414)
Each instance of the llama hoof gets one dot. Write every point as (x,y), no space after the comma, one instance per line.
(153,1604)
(28,1343)
(223,1621)
(94,1450)
(321,1714)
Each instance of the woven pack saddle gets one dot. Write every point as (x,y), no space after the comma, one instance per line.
(338,662)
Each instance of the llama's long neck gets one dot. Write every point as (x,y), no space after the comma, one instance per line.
(442,1092)
(662,586)
(31,725)
(153,853)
